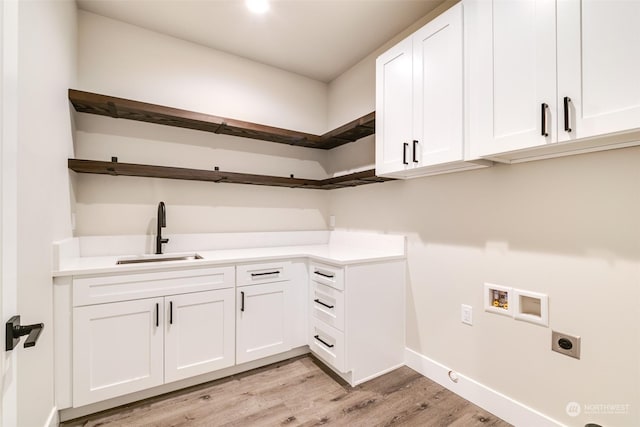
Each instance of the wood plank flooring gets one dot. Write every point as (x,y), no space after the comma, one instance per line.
(301,392)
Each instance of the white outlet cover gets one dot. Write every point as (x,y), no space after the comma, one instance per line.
(519,312)
(466,314)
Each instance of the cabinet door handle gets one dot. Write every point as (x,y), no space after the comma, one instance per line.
(415,146)
(329,276)
(543,114)
(265,274)
(157,315)
(323,342)
(241,300)
(567,125)
(171,312)
(404,153)
(321,303)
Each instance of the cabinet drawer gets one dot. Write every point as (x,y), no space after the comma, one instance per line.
(327,304)
(123,287)
(327,343)
(252,274)
(327,275)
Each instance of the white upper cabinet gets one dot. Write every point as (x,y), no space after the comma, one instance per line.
(420,102)
(511,52)
(598,66)
(394,108)
(543,72)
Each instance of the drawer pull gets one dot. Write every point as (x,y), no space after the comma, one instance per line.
(322,341)
(321,303)
(329,276)
(268,273)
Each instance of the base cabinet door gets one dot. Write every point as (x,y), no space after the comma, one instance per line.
(199,333)
(118,349)
(262,321)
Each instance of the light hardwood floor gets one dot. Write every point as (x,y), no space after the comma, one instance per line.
(301,392)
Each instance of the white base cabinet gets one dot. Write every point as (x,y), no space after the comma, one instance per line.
(199,333)
(357,318)
(122,346)
(123,334)
(263,321)
(118,349)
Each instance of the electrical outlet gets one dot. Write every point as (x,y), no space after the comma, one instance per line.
(565,344)
(466,312)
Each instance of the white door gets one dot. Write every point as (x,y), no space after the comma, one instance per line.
(199,333)
(511,48)
(598,67)
(8,200)
(438,90)
(117,349)
(263,322)
(394,98)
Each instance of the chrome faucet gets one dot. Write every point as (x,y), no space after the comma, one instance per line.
(162,222)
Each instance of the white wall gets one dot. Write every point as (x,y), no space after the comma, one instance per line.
(46,68)
(127,61)
(123,60)
(565,227)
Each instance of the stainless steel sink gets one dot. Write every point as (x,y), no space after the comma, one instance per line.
(158,258)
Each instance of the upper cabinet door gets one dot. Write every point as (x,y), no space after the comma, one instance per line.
(598,67)
(394,98)
(438,90)
(512,74)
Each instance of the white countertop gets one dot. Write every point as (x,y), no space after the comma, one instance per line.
(341,249)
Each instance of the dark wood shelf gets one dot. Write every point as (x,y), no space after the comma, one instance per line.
(93,103)
(131,169)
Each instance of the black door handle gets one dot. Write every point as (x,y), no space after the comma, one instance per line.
(567,125)
(157,315)
(415,146)
(241,301)
(404,153)
(171,312)
(14,331)
(543,114)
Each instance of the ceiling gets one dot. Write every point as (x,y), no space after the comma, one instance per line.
(319,39)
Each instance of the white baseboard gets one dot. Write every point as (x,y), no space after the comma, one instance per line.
(53,420)
(490,400)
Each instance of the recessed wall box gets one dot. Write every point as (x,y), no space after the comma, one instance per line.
(497,299)
(530,307)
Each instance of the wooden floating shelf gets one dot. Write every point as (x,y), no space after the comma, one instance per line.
(93,103)
(131,169)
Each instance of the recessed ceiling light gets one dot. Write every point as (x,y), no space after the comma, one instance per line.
(258,6)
